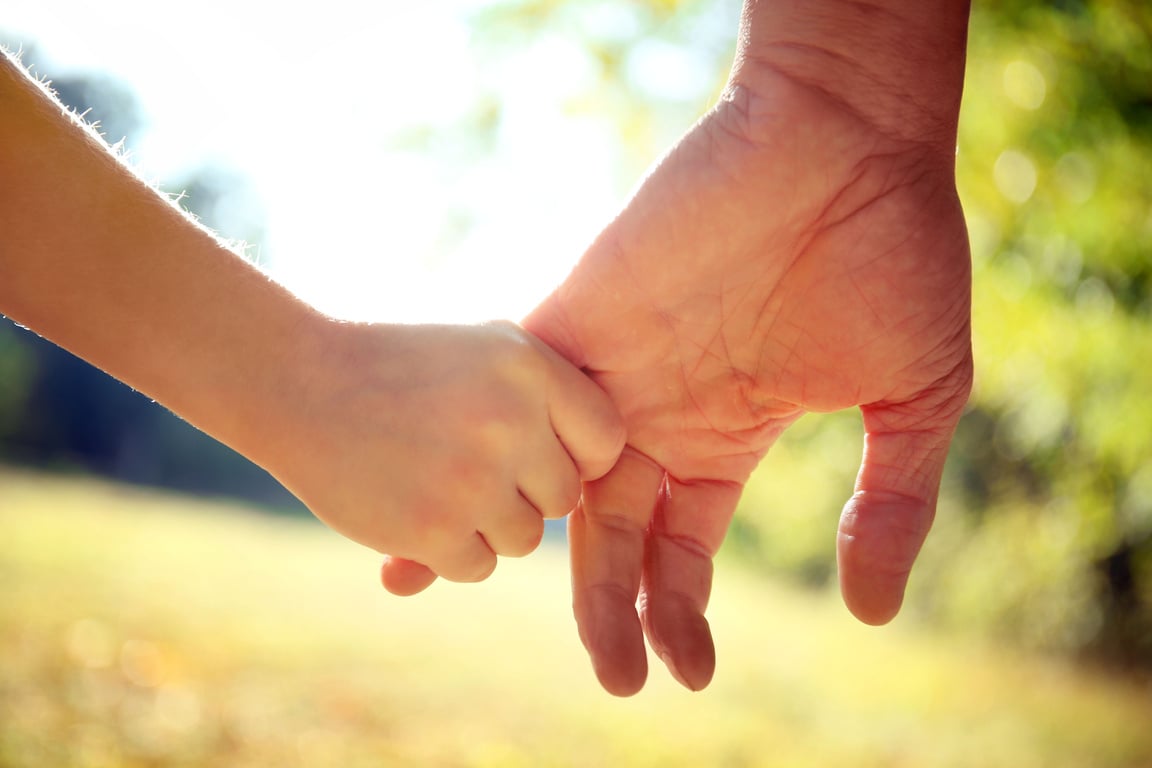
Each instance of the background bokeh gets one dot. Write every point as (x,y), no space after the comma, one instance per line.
(406,167)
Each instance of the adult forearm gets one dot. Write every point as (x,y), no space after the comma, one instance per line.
(96,260)
(898,64)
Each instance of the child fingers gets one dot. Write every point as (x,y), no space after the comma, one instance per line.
(583,417)
(516,531)
(513,529)
(550,481)
(470,561)
(405,577)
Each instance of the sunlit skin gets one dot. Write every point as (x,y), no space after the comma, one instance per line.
(445,445)
(801,249)
(448,445)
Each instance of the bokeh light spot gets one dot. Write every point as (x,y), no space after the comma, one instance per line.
(1094,297)
(90,644)
(1015,175)
(1024,84)
(1076,177)
(141,663)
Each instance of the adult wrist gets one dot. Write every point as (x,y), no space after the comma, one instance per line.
(898,65)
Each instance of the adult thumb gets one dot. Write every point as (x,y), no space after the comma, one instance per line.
(549,322)
(885,523)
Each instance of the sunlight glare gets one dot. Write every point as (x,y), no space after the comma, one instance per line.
(308,103)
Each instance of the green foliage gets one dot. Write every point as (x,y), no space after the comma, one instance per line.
(1051,463)
(787,519)
(17,371)
(649,67)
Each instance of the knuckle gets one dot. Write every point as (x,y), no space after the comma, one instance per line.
(528,539)
(481,569)
(438,521)
(568,493)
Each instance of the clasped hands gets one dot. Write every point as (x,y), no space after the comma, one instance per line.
(782,259)
(801,249)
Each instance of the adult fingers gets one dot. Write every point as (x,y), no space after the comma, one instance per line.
(515,534)
(405,577)
(884,524)
(687,531)
(606,538)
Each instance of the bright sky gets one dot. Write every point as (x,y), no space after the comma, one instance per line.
(305,102)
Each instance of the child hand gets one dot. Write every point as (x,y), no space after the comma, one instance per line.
(448,445)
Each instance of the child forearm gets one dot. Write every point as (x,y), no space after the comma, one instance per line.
(99,262)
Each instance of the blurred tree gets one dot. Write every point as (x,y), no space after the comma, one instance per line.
(16,369)
(102,100)
(1053,465)
(651,67)
(223,200)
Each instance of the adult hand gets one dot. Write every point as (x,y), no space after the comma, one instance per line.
(791,254)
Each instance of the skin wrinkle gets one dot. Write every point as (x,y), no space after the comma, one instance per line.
(910,183)
(689,434)
(925,362)
(942,400)
(689,544)
(723,355)
(909,469)
(737,111)
(911,466)
(741,446)
(745,442)
(915,528)
(763,61)
(793,349)
(613,591)
(566,329)
(748,382)
(694,546)
(924,136)
(859,174)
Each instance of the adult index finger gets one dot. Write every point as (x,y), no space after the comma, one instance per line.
(606,537)
(686,532)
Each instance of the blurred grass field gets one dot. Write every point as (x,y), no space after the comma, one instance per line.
(143,629)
